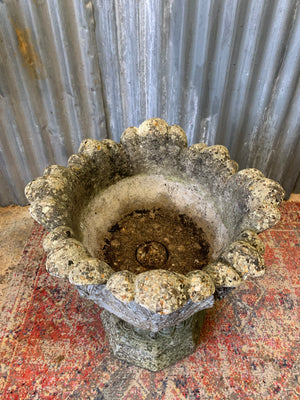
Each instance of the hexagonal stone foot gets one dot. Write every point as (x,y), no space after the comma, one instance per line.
(152,350)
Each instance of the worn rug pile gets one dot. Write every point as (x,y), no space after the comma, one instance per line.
(53,345)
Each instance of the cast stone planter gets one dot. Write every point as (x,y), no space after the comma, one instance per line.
(153,231)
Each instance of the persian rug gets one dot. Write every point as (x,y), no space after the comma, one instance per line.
(53,345)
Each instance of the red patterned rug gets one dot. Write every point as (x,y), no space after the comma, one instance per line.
(53,344)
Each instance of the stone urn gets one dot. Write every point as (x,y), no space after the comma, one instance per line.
(154,232)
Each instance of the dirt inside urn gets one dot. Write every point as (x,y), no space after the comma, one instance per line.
(155,239)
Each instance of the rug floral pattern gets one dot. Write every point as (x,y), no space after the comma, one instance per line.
(53,345)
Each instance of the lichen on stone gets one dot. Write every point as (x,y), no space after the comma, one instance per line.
(223,275)
(50,186)
(62,259)
(154,147)
(200,181)
(244,258)
(201,286)
(121,285)
(50,212)
(161,291)
(54,237)
(261,218)
(252,238)
(90,271)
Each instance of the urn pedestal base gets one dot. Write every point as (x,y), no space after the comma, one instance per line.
(152,350)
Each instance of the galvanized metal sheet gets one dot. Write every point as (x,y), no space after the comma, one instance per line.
(226,71)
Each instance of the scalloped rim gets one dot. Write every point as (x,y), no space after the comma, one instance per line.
(49,197)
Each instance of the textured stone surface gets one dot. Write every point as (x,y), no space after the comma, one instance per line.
(245,259)
(90,271)
(65,257)
(244,178)
(210,166)
(153,351)
(62,173)
(223,275)
(265,190)
(252,238)
(259,198)
(53,239)
(137,315)
(261,218)
(201,286)
(50,186)
(121,285)
(50,212)
(152,168)
(161,291)
(154,147)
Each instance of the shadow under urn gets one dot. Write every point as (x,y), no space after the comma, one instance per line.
(154,232)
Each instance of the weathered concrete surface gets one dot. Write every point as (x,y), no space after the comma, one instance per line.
(153,168)
(137,315)
(153,351)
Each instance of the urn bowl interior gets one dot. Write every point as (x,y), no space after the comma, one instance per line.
(151,222)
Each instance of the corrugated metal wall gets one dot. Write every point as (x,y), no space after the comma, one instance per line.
(227,71)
